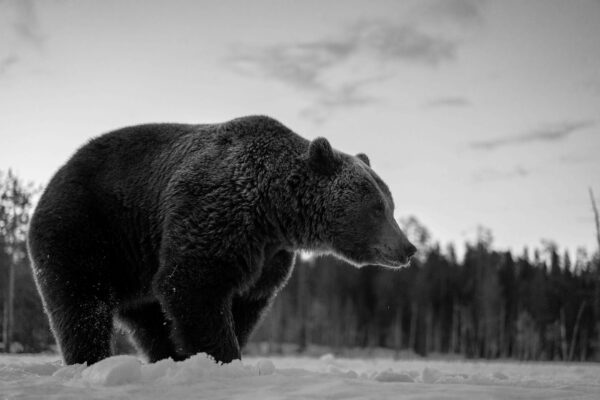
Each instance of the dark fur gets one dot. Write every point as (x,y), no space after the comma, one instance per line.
(185,233)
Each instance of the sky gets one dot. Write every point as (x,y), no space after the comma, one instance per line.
(476,113)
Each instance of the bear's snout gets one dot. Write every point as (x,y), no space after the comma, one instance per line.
(409,250)
(396,249)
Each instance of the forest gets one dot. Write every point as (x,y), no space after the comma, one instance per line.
(536,305)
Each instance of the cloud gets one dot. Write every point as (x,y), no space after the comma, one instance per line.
(26,23)
(551,133)
(21,31)
(401,42)
(347,95)
(307,66)
(491,174)
(7,62)
(573,159)
(451,101)
(461,12)
(298,65)
(301,64)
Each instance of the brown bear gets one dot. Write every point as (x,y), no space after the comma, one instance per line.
(185,233)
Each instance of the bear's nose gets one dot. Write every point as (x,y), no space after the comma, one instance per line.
(410,250)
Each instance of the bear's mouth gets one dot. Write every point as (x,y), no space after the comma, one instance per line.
(394,264)
(385,261)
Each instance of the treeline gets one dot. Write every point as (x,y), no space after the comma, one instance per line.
(24,325)
(537,305)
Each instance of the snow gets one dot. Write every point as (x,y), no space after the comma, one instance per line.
(118,370)
(45,377)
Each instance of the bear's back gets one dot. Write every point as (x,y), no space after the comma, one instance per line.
(132,166)
(151,152)
(131,153)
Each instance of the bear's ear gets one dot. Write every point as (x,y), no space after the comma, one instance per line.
(363,157)
(321,156)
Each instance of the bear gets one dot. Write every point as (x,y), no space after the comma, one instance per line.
(184,233)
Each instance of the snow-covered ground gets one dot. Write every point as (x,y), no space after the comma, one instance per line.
(125,377)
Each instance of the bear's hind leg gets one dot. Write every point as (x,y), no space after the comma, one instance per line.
(79,309)
(70,269)
(149,330)
(73,262)
(83,331)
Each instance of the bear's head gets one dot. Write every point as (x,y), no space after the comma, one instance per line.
(358,209)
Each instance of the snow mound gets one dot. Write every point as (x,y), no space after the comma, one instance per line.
(117,370)
(266,367)
(390,376)
(124,369)
(431,375)
(202,367)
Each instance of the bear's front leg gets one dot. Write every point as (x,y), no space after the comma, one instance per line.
(248,308)
(199,307)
